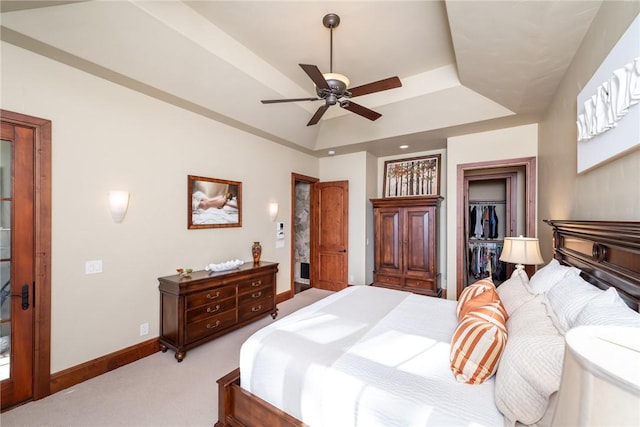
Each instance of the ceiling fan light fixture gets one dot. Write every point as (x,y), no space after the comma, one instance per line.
(336,79)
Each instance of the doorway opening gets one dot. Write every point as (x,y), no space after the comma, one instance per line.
(301,192)
(502,194)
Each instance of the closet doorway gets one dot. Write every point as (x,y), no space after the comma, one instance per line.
(496,200)
(301,192)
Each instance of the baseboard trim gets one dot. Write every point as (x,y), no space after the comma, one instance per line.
(91,369)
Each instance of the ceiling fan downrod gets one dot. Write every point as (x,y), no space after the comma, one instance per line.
(331,21)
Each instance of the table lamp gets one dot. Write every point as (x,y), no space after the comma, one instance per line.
(521,251)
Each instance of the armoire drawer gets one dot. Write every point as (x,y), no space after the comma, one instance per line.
(388,280)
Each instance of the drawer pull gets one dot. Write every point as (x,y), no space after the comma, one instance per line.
(215,325)
(209,296)
(256,294)
(258,283)
(213,310)
(256,308)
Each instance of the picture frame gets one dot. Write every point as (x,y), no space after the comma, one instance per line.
(416,176)
(213,203)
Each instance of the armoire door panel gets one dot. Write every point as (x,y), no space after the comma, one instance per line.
(419,250)
(390,243)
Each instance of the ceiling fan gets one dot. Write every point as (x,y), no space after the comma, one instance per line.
(334,89)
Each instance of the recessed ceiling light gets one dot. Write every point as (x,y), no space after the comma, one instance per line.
(331,152)
(404,147)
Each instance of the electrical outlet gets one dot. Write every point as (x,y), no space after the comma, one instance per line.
(93,267)
(144,329)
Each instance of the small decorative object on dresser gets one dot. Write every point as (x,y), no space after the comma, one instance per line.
(199,308)
(256,251)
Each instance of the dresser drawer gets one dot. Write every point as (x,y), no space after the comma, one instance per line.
(212,309)
(212,295)
(255,308)
(255,283)
(255,295)
(210,325)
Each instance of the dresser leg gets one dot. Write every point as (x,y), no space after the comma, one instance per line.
(180,355)
(274,313)
(163,348)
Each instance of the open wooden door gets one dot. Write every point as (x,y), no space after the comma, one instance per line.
(330,230)
(25,258)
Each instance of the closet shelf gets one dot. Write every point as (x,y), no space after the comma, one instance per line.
(487,202)
(475,240)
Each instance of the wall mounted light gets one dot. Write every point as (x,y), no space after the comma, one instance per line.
(273,210)
(118,204)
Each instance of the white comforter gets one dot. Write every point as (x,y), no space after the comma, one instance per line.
(366,357)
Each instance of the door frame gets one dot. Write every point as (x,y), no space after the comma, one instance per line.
(529,163)
(296,177)
(42,244)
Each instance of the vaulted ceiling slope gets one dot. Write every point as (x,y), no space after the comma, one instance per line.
(465,66)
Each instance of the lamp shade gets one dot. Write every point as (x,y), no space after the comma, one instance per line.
(600,382)
(118,204)
(521,250)
(273,210)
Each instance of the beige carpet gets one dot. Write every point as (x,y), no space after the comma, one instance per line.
(154,391)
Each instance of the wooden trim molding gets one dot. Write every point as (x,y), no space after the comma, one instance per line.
(93,368)
(42,273)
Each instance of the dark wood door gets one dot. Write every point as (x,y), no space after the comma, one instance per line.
(330,221)
(420,231)
(17,263)
(389,240)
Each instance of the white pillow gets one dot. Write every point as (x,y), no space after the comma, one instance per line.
(531,364)
(514,292)
(549,275)
(568,297)
(608,309)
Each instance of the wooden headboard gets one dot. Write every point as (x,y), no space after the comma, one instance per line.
(607,252)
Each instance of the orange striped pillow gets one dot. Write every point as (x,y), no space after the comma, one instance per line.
(478,342)
(473,291)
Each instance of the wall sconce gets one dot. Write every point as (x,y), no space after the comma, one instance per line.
(118,204)
(521,251)
(273,210)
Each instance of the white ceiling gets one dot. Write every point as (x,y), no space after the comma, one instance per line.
(466,66)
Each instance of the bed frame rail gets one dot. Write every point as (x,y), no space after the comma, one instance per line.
(239,408)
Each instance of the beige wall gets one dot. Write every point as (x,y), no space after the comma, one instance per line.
(108,137)
(610,191)
(511,143)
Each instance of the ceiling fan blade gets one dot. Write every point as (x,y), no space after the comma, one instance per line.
(314,73)
(360,110)
(318,115)
(380,85)
(275,101)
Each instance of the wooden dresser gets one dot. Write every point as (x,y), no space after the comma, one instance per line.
(206,305)
(406,244)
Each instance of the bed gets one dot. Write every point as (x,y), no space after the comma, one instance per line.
(389,364)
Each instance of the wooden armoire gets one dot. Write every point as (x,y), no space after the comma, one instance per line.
(406,244)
